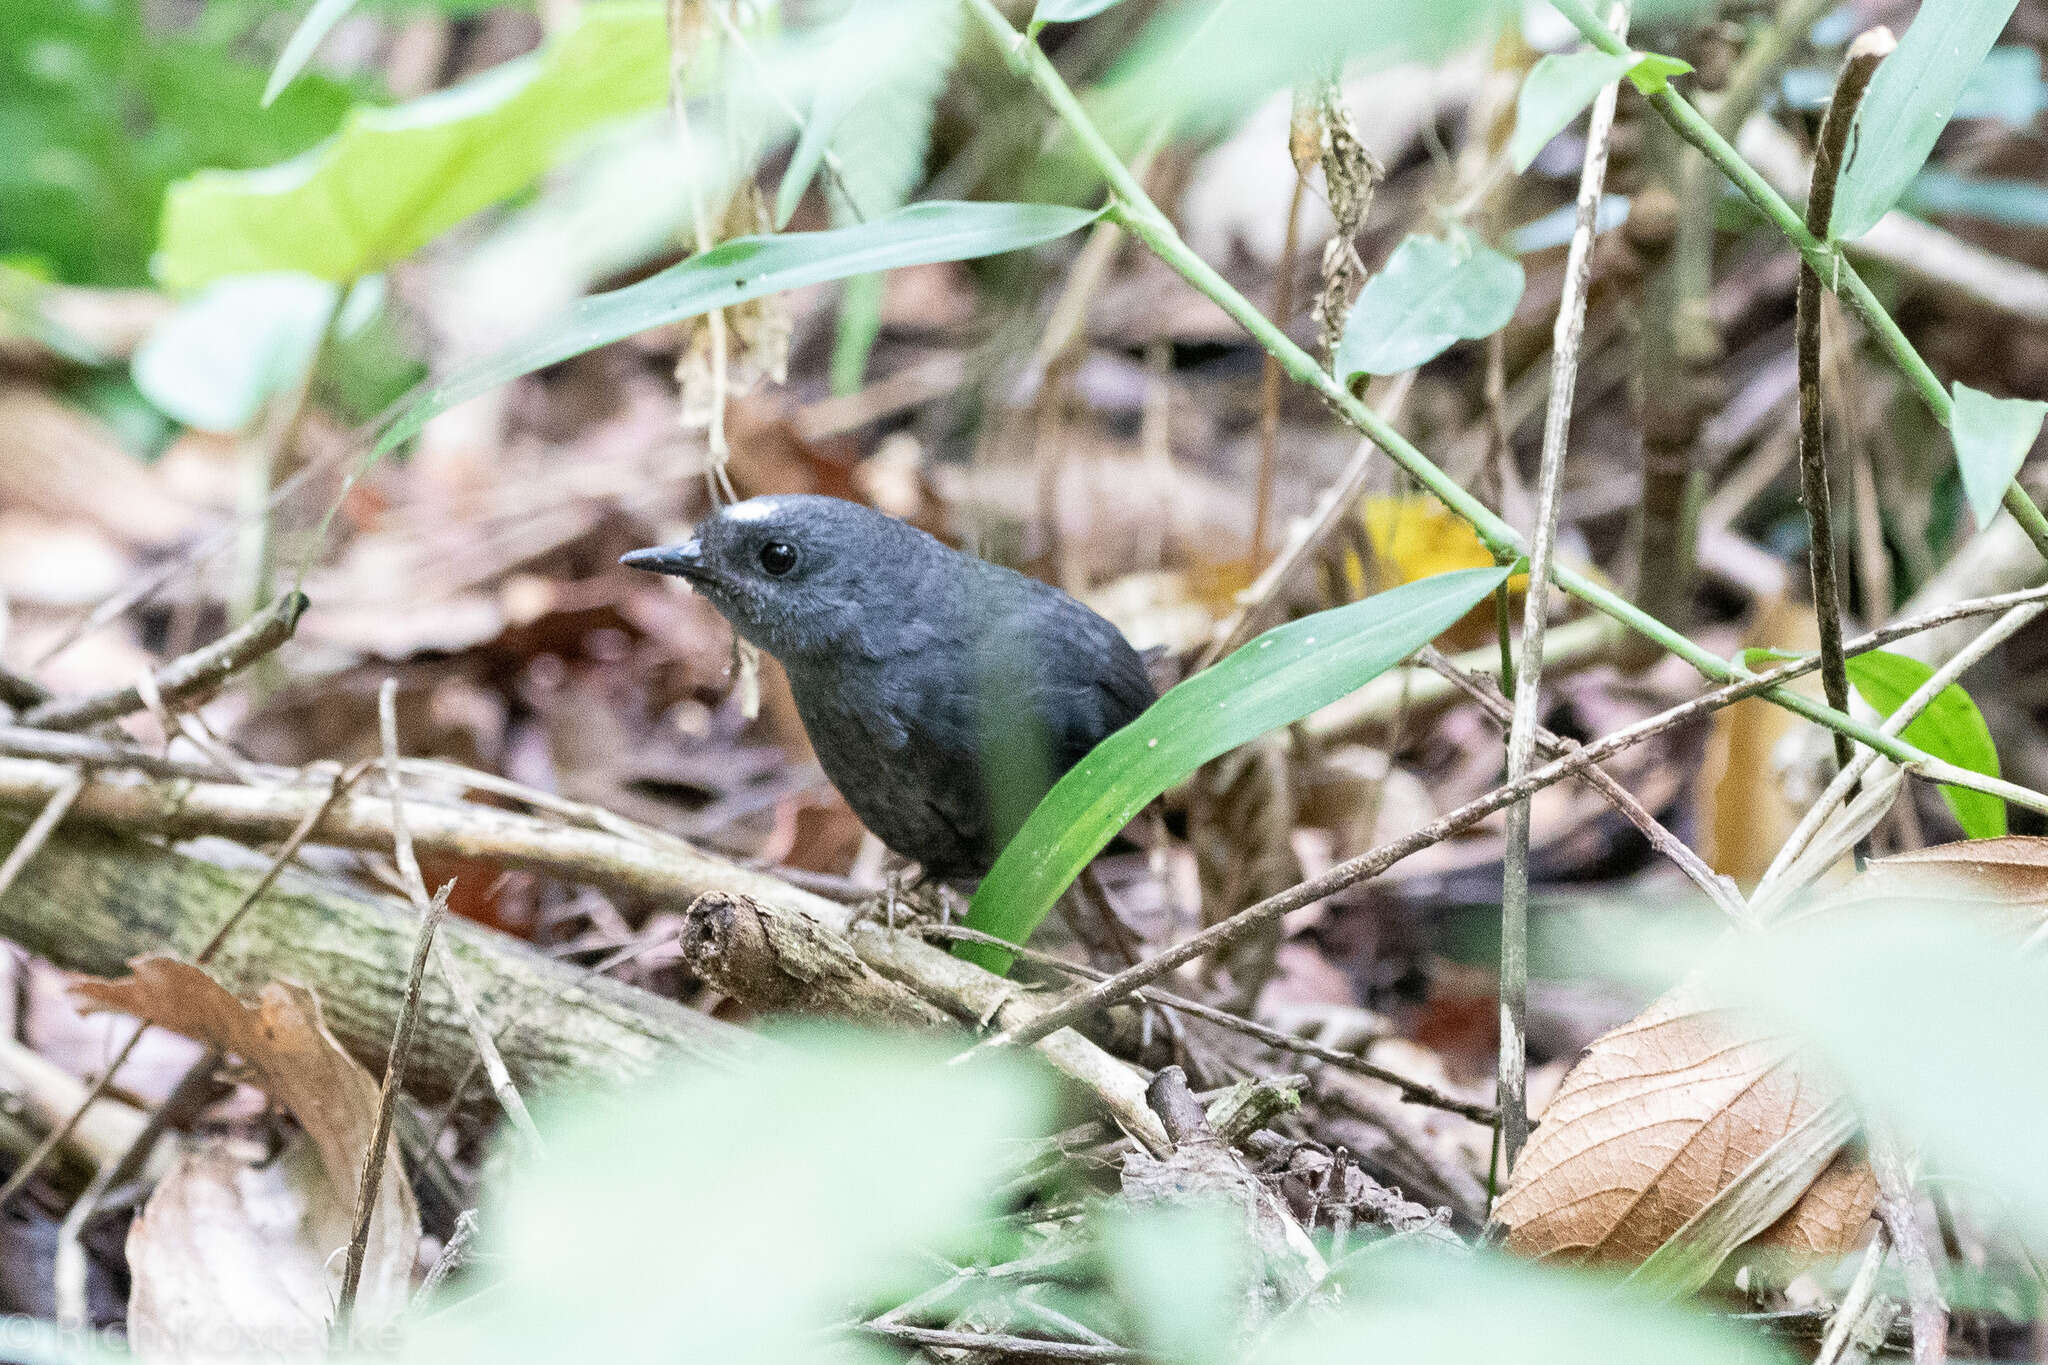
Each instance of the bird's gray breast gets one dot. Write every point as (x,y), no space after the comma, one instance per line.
(899,742)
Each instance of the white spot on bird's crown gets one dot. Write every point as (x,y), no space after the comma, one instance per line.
(753,509)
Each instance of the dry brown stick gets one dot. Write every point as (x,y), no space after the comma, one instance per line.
(33,1162)
(1270,376)
(1895,1209)
(416,889)
(1566,334)
(201,671)
(1717,888)
(1857,68)
(1413,1091)
(665,870)
(773,961)
(1857,1301)
(372,1179)
(980,1344)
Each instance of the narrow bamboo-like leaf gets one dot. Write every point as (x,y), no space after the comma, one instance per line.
(394,178)
(748,268)
(811,146)
(1992,437)
(1909,103)
(304,42)
(1432,293)
(1273,681)
(1066,11)
(1952,728)
(1554,93)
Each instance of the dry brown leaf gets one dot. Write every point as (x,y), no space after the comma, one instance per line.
(1828,1219)
(299,1063)
(2009,871)
(1656,1119)
(224,1258)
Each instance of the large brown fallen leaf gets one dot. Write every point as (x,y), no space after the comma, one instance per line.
(206,1220)
(1692,1119)
(1665,1113)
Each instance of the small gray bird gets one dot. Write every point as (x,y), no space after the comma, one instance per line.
(943,695)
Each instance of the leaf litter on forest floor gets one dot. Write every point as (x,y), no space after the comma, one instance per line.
(250,1251)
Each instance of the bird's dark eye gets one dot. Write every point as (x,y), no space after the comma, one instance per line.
(778,557)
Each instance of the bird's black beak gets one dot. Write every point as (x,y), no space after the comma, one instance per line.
(681,561)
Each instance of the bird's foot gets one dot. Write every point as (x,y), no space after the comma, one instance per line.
(907,896)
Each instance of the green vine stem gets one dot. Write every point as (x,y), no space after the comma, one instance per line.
(1131,207)
(1824,257)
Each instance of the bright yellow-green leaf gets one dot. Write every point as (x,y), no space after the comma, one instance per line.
(392,179)
(1952,728)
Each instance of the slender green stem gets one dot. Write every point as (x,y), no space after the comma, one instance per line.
(1135,211)
(1824,257)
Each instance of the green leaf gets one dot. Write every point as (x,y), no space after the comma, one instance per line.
(1929,1012)
(1197,68)
(1431,293)
(1992,437)
(1553,94)
(749,268)
(1952,728)
(1653,71)
(393,179)
(737,1214)
(882,137)
(1909,102)
(214,362)
(1413,1304)
(1066,12)
(305,40)
(1273,681)
(102,106)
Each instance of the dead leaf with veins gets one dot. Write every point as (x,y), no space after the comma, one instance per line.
(1657,1119)
(223,1247)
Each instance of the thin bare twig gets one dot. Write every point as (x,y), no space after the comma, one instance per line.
(201,671)
(1413,1091)
(998,1344)
(1895,1210)
(39,831)
(1717,888)
(1856,1300)
(372,1178)
(69,1271)
(416,889)
(1857,68)
(1528,687)
(1270,377)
